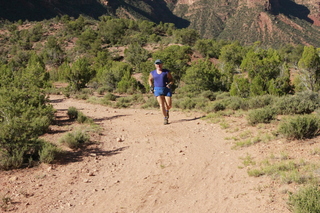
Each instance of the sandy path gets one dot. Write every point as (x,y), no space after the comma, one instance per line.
(186,166)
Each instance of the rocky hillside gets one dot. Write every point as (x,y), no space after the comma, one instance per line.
(272,22)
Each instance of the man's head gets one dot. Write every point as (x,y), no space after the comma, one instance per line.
(158,61)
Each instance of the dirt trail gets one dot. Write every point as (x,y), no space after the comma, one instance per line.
(186,166)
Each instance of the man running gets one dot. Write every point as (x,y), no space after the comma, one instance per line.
(160,82)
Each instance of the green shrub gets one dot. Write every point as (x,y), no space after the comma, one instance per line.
(83,118)
(302,103)
(262,115)
(260,101)
(41,124)
(240,87)
(300,127)
(36,32)
(87,91)
(305,200)
(24,112)
(137,98)
(236,103)
(95,100)
(135,54)
(216,106)
(185,103)
(53,91)
(276,169)
(75,139)
(128,84)
(201,103)
(48,152)
(209,95)
(81,96)
(151,102)
(112,73)
(13,160)
(79,74)
(123,102)
(105,102)
(222,95)
(72,113)
(190,101)
(66,92)
(202,75)
(18,136)
(255,172)
(109,97)
(102,90)
(244,143)
(296,177)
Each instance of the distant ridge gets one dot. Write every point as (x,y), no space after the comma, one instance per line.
(272,22)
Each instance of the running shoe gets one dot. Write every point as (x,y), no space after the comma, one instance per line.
(165,122)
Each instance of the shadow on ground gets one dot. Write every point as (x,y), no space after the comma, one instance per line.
(77,156)
(186,120)
(108,118)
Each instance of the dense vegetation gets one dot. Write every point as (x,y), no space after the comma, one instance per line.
(104,56)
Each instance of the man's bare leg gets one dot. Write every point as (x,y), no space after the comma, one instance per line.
(168,102)
(162,103)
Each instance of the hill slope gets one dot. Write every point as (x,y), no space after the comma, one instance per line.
(249,21)
(272,22)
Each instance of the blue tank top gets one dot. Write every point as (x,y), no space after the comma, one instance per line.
(160,80)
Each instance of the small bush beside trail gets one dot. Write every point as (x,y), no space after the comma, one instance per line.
(262,115)
(72,113)
(48,153)
(302,103)
(216,106)
(75,139)
(260,101)
(83,118)
(306,200)
(236,103)
(185,103)
(300,127)
(109,97)
(151,102)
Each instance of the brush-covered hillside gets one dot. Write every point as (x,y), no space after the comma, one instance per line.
(271,22)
